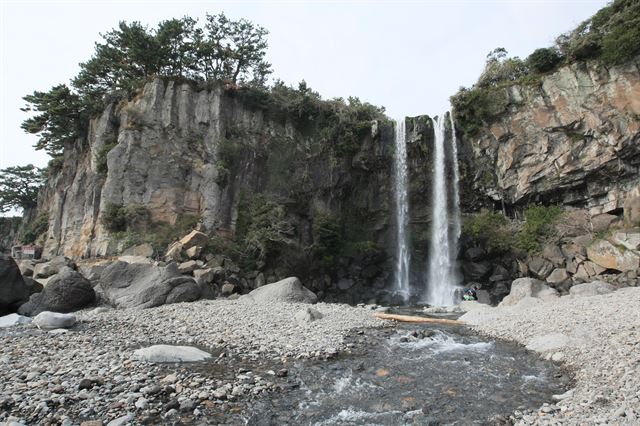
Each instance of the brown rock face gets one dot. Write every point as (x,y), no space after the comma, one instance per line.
(573,139)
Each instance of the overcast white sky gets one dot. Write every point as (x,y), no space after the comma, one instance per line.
(409,56)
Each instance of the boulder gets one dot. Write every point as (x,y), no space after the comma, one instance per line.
(474,254)
(143,250)
(260,280)
(194,238)
(593,288)
(307,315)
(169,353)
(32,285)
(130,285)
(605,254)
(51,320)
(528,287)
(227,288)
(193,252)
(476,271)
(204,276)
(500,273)
(13,319)
(174,253)
(187,267)
(92,268)
(632,209)
(13,290)
(345,284)
(558,277)
(288,290)
(602,222)
(628,239)
(52,267)
(540,268)
(26,267)
(552,253)
(66,291)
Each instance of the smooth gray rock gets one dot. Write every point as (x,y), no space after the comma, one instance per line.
(13,290)
(287,290)
(13,319)
(129,285)
(52,267)
(541,268)
(66,291)
(593,288)
(170,353)
(53,320)
(528,287)
(144,250)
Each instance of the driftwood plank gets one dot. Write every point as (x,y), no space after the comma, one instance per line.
(415,319)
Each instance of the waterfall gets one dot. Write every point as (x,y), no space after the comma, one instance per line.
(402,211)
(441,281)
(457,226)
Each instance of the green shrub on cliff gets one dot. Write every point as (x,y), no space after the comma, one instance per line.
(537,226)
(36,228)
(327,238)
(543,60)
(490,229)
(119,218)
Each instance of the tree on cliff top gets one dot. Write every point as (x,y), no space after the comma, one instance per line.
(19,187)
(222,49)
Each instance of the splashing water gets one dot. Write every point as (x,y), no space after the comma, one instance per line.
(402,211)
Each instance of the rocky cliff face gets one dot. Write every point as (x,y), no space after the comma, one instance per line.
(181,151)
(573,138)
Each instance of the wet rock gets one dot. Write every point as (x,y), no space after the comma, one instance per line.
(168,353)
(287,290)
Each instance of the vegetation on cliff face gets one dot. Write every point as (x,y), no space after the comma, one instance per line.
(611,36)
(499,235)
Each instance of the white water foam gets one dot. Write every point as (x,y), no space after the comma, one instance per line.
(401,173)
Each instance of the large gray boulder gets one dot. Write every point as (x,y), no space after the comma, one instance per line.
(288,290)
(593,288)
(528,287)
(13,290)
(139,285)
(66,291)
(52,320)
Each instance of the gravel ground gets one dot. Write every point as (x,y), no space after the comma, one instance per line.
(88,373)
(597,337)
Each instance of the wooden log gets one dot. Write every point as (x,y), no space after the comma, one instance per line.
(416,319)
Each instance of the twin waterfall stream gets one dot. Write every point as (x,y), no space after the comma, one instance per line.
(438,289)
